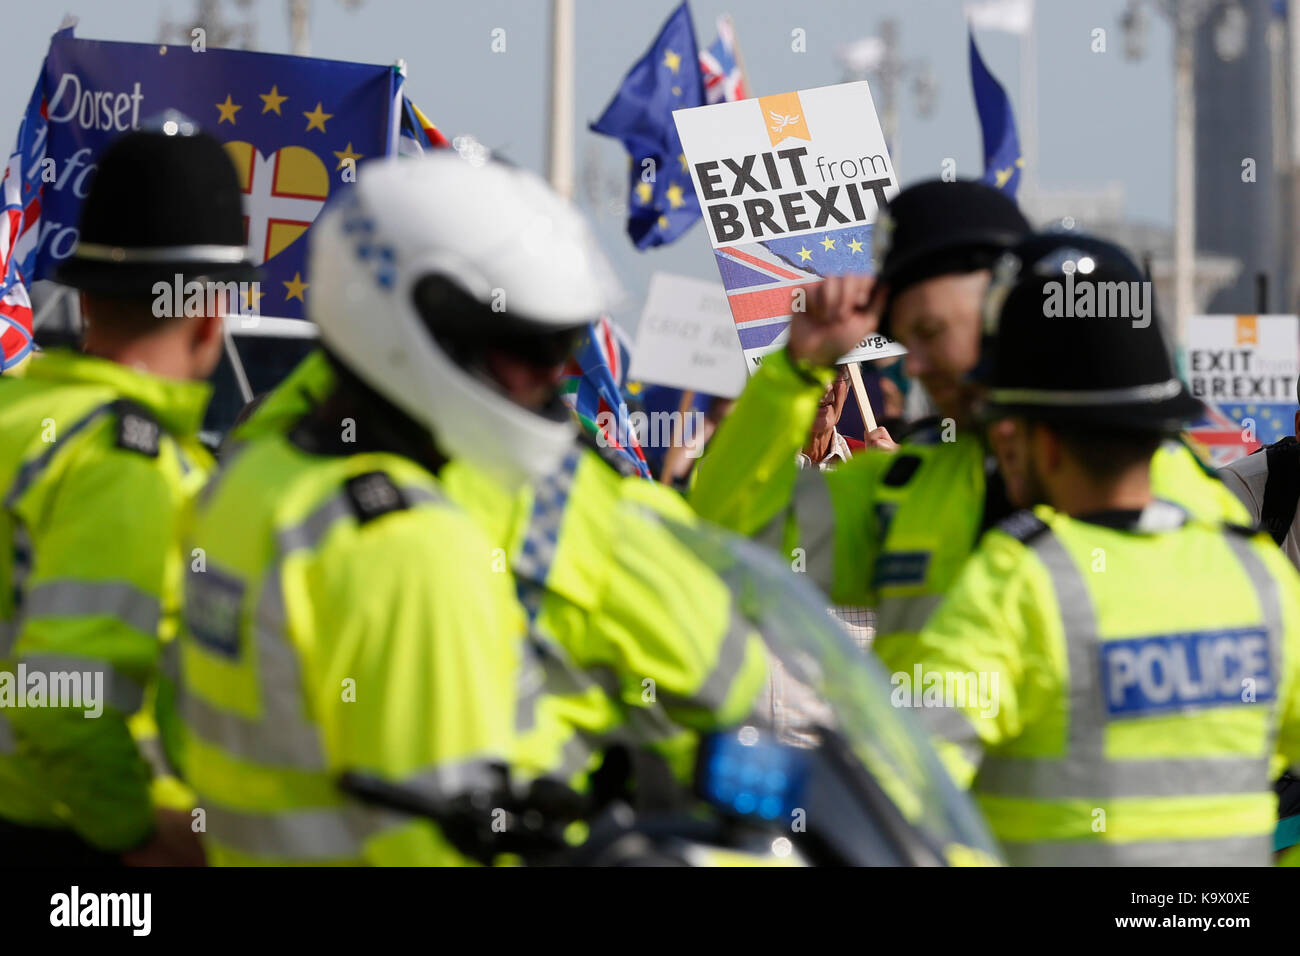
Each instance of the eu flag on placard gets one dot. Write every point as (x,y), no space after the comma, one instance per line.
(661,203)
(295,128)
(1002,159)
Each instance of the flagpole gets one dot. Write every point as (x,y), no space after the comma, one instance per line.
(1029,107)
(740,57)
(560,160)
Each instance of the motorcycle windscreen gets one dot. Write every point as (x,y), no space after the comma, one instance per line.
(793,619)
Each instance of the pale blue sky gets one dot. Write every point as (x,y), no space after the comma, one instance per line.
(1101,118)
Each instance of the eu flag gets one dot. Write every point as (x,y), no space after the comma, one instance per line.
(294,127)
(1002,160)
(661,203)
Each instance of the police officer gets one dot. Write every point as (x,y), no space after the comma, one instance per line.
(98,454)
(626,626)
(632,639)
(1141,660)
(890,530)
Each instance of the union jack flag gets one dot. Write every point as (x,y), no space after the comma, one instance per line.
(19,231)
(761,276)
(592,388)
(724,81)
(1224,439)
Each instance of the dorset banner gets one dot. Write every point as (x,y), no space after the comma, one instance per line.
(1244,368)
(790,186)
(295,128)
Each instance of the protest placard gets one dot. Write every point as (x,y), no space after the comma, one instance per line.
(1244,368)
(686,338)
(790,186)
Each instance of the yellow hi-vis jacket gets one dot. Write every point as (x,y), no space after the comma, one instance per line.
(632,638)
(345,618)
(97,463)
(1119,690)
(886,530)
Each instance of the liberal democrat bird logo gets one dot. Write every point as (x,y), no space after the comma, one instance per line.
(786,117)
(782,120)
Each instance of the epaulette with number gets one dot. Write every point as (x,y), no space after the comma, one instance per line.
(137,428)
(1022,525)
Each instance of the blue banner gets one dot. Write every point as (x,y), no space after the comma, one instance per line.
(293,126)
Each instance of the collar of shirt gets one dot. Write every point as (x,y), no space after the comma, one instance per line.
(839,448)
(178,405)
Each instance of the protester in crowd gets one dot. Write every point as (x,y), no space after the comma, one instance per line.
(1079,615)
(890,531)
(1267,482)
(634,640)
(99,455)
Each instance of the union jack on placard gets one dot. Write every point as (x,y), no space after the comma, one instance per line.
(760,276)
(724,81)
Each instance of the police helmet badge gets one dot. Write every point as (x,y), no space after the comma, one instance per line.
(1005,272)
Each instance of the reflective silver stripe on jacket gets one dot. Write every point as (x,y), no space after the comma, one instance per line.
(1223,851)
(119,690)
(1085,771)
(32,469)
(713,690)
(905,614)
(815,513)
(282,736)
(28,472)
(66,597)
(309,836)
(339,833)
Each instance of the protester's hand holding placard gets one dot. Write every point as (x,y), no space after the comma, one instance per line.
(790,186)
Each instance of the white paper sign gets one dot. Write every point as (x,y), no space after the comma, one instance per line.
(790,186)
(686,338)
(1244,368)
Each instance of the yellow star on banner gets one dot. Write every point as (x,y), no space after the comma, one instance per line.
(1002,175)
(663,222)
(828,243)
(804,254)
(255,306)
(674,194)
(345,155)
(672,60)
(681,158)
(316,118)
(855,245)
(677,91)
(645,192)
(228,110)
(272,101)
(295,287)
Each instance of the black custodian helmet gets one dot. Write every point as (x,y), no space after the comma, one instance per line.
(1071,336)
(938,228)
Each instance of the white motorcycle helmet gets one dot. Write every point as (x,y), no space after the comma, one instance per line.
(428,261)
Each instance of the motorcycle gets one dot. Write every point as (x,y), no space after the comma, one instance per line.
(871,791)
